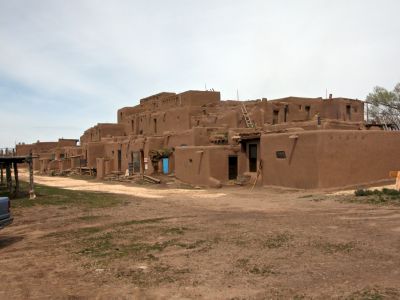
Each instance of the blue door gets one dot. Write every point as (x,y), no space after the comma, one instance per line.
(165,165)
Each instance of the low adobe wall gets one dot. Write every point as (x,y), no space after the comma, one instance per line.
(206,165)
(329,158)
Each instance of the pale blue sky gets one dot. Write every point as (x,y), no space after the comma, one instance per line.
(66,65)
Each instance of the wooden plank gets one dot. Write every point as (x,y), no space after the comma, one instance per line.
(31,187)
(8,178)
(16,189)
(1,174)
(151,179)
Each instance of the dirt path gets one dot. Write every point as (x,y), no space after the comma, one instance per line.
(201,244)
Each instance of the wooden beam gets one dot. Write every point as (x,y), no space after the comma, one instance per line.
(16,189)
(31,187)
(8,178)
(1,174)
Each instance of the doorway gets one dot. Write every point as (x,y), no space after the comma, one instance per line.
(275,117)
(119,160)
(348,113)
(233,167)
(253,157)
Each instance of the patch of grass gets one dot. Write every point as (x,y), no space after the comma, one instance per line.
(105,245)
(242,262)
(278,240)
(374,197)
(331,248)
(87,230)
(46,195)
(375,293)
(98,246)
(153,276)
(192,245)
(144,221)
(175,230)
(384,191)
(263,270)
(90,218)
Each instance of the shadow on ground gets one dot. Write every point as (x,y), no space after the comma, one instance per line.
(6,241)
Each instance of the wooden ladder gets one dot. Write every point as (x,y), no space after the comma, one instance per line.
(249,123)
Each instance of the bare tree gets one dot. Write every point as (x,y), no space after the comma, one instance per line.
(384,106)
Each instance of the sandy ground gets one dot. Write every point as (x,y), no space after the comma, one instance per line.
(202,244)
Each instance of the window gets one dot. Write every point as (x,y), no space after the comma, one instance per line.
(281,154)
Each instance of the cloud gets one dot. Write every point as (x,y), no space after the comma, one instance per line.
(64,62)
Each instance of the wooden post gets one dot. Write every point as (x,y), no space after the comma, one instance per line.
(1,175)
(31,188)
(8,178)
(16,190)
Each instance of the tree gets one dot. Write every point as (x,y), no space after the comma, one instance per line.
(384,106)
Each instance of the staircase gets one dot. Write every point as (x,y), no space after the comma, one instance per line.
(249,123)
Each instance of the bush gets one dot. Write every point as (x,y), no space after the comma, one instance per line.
(362,193)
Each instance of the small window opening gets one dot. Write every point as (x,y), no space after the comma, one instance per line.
(281,154)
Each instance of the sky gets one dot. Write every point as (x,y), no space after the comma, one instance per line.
(68,65)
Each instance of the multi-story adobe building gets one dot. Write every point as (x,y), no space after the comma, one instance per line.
(294,142)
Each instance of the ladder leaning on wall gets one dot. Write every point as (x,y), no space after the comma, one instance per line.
(249,123)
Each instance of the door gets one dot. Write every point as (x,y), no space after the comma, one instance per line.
(233,167)
(119,160)
(253,157)
(165,165)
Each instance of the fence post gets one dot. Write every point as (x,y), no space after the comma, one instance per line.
(31,187)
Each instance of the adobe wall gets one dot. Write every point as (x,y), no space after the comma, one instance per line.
(329,158)
(66,142)
(199,98)
(343,109)
(26,149)
(94,150)
(206,165)
(300,167)
(348,158)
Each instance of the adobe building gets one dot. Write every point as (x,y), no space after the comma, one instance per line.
(305,143)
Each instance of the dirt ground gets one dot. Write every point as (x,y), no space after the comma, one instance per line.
(229,243)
